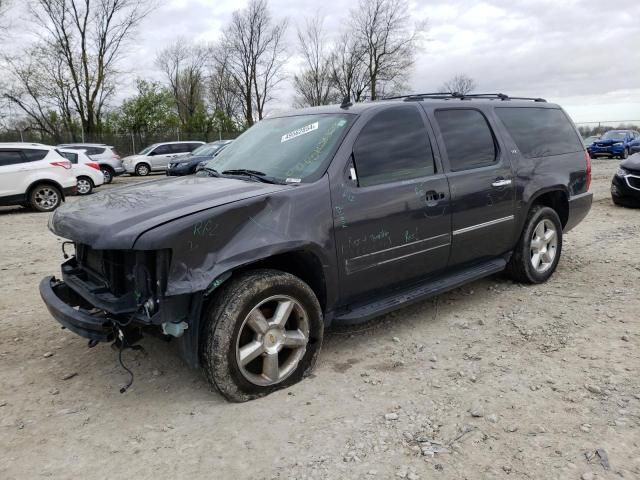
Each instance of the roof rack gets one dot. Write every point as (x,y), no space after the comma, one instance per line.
(456,95)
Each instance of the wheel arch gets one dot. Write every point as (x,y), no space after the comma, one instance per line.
(556,197)
(44,181)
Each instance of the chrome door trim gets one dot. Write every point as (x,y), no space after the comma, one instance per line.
(482,225)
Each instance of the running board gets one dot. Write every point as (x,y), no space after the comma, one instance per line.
(402,298)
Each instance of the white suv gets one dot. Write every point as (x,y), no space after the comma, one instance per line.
(34,175)
(156,157)
(87,171)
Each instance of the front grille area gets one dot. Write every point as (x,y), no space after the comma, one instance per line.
(634,182)
(121,271)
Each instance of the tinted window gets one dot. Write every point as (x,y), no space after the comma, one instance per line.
(94,151)
(540,132)
(10,157)
(162,150)
(193,146)
(33,155)
(467,138)
(72,157)
(393,146)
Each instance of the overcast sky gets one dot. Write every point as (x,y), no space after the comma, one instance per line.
(583,54)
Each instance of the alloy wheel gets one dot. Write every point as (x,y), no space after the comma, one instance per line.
(544,245)
(46,198)
(272,340)
(84,186)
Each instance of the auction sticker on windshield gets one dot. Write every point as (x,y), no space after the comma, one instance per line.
(300,131)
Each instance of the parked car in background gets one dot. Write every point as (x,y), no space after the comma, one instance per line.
(588,141)
(188,164)
(105,155)
(87,172)
(156,157)
(614,143)
(625,186)
(34,175)
(634,147)
(326,215)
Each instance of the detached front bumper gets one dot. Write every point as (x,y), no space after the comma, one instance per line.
(73,312)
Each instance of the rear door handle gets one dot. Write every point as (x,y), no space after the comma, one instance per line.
(501,182)
(432,197)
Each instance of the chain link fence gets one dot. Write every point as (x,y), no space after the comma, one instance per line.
(124,143)
(588,129)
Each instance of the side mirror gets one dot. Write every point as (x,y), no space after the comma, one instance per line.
(200,166)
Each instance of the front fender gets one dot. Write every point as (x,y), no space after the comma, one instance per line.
(207,244)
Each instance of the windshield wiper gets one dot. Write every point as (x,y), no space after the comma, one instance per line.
(211,171)
(254,174)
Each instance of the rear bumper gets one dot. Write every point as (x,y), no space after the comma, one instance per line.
(72,312)
(579,206)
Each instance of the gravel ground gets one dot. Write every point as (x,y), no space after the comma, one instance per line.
(492,380)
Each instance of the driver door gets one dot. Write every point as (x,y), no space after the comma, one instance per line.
(160,156)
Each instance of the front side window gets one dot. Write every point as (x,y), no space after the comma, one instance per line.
(393,146)
(297,148)
(10,157)
(162,150)
(467,138)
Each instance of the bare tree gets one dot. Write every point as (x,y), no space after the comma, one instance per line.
(314,85)
(348,70)
(222,91)
(460,83)
(389,39)
(255,49)
(88,37)
(184,65)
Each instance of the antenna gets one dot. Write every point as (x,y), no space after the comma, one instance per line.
(346,102)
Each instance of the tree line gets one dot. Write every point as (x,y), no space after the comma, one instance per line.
(67,80)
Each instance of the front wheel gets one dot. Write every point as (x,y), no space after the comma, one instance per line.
(85,186)
(142,169)
(537,253)
(625,154)
(263,333)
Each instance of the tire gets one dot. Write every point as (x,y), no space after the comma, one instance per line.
(228,331)
(625,154)
(45,197)
(143,169)
(85,186)
(522,265)
(108,174)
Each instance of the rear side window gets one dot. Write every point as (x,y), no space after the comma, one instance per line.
(33,155)
(467,138)
(540,132)
(10,157)
(393,146)
(72,157)
(94,151)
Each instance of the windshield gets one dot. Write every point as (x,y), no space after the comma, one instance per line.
(286,148)
(148,149)
(614,135)
(206,150)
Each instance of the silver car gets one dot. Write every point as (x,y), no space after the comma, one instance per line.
(156,157)
(104,155)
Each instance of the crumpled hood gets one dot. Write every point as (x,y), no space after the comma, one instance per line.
(632,163)
(605,143)
(115,218)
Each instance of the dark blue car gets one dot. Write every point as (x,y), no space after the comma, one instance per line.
(616,143)
(188,165)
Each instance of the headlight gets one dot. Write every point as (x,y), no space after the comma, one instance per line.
(618,144)
(621,172)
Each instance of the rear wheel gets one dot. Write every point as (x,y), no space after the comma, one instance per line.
(108,174)
(537,254)
(45,198)
(263,333)
(142,169)
(625,154)
(85,186)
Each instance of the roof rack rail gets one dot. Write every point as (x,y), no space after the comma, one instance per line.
(454,95)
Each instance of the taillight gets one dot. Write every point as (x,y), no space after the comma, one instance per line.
(588,159)
(62,163)
(93,165)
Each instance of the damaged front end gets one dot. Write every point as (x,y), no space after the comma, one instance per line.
(107,294)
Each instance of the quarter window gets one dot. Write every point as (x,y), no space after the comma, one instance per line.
(540,132)
(467,138)
(393,146)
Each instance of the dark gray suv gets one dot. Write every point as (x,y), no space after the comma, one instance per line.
(327,215)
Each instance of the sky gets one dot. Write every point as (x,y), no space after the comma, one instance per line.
(581,54)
